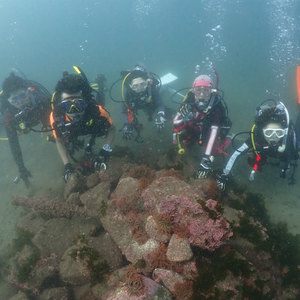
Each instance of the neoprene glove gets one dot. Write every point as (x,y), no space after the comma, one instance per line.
(68,171)
(186,113)
(100,161)
(127,131)
(160,120)
(222,181)
(204,168)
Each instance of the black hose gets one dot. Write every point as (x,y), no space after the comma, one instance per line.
(235,136)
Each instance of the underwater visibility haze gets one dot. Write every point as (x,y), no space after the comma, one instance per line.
(253,45)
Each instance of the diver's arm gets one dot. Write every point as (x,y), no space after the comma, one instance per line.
(63,153)
(110,135)
(13,141)
(242,149)
(15,149)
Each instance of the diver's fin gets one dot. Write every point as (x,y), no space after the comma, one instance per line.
(168,78)
(1,92)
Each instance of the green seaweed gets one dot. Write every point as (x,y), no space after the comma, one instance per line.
(215,269)
(171,154)
(254,205)
(249,231)
(23,238)
(103,208)
(97,267)
(140,264)
(25,269)
(283,246)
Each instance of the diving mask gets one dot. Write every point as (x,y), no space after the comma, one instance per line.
(73,106)
(273,133)
(21,98)
(276,132)
(139,85)
(202,92)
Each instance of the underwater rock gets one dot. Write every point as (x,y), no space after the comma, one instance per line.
(58,234)
(73,270)
(95,199)
(92,180)
(48,207)
(163,187)
(76,183)
(107,249)
(74,200)
(179,249)
(7,290)
(44,271)
(209,234)
(152,291)
(134,251)
(19,296)
(153,231)
(84,292)
(195,223)
(61,293)
(153,222)
(126,188)
(168,278)
(31,222)
(115,222)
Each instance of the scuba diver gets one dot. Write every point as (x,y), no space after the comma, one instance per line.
(24,104)
(272,135)
(142,92)
(75,113)
(203,119)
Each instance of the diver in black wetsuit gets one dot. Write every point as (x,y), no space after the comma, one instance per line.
(75,113)
(24,104)
(142,93)
(272,135)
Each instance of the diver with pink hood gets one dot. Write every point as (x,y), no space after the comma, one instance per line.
(202,119)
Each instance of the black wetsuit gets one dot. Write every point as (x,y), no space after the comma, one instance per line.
(18,122)
(263,150)
(95,122)
(148,101)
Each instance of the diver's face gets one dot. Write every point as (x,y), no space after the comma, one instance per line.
(138,85)
(20,98)
(273,133)
(202,93)
(73,105)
